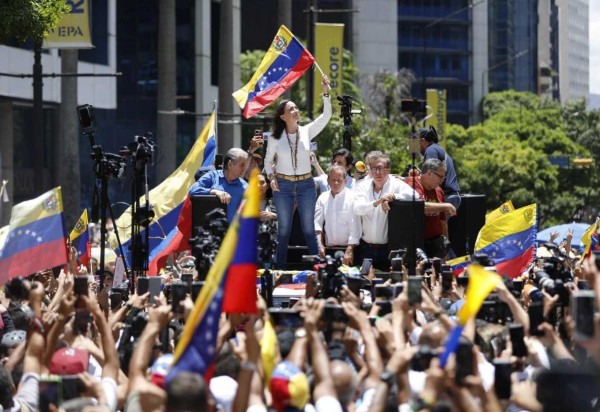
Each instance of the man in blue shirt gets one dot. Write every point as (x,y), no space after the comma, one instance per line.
(226,184)
(432,150)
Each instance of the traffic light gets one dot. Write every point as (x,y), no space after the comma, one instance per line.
(583,162)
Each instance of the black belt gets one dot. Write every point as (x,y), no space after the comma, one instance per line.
(375,245)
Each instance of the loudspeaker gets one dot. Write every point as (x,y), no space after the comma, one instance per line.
(201,205)
(405,223)
(464,227)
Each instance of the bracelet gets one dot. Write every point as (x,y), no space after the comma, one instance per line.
(325,94)
(249,366)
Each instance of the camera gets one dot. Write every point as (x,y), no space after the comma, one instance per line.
(208,237)
(330,278)
(422,358)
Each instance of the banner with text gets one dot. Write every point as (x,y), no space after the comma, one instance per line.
(73,30)
(436,99)
(329,44)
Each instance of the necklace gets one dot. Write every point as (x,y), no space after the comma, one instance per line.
(293,150)
(377,196)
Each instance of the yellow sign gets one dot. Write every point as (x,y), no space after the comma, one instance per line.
(329,44)
(436,99)
(73,30)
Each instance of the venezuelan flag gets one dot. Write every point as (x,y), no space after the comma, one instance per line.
(36,237)
(168,197)
(459,264)
(196,349)
(481,283)
(589,239)
(80,238)
(510,240)
(502,209)
(283,64)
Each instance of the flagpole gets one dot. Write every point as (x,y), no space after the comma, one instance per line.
(216,127)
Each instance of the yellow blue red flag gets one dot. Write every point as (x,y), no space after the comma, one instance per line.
(36,239)
(589,239)
(510,240)
(502,209)
(80,239)
(284,63)
(459,264)
(168,197)
(196,349)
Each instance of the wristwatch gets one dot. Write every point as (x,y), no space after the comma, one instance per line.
(388,377)
(300,333)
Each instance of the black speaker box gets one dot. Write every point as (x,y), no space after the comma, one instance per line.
(201,205)
(405,222)
(464,227)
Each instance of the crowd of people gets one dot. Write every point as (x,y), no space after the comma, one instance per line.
(71,340)
(68,345)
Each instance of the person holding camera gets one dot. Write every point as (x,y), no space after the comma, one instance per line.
(430,149)
(427,185)
(226,184)
(292,182)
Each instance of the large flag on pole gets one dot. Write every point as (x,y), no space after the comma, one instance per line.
(196,349)
(510,240)
(284,63)
(36,239)
(80,238)
(167,198)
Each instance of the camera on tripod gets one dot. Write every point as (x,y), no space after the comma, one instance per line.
(142,149)
(346,107)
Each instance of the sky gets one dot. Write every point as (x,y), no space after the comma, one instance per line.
(594,46)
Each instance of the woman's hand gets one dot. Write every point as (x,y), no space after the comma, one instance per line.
(325,84)
(274,186)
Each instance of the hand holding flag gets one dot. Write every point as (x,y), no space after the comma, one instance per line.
(284,63)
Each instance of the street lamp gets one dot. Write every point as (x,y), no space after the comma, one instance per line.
(494,67)
(430,25)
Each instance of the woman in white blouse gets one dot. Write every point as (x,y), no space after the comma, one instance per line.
(292,183)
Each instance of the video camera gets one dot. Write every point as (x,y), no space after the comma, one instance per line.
(207,240)
(330,278)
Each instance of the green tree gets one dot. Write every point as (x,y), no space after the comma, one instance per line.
(384,91)
(30,20)
(507,157)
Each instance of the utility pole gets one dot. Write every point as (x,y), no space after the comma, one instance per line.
(38,121)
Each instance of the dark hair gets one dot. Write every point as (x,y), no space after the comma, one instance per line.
(278,123)
(428,133)
(186,392)
(342,151)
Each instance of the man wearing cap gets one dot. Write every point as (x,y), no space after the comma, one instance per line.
(432,150)
(336,224)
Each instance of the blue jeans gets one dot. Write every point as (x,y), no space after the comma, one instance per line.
(304,194)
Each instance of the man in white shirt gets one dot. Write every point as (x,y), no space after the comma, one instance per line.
(336,224)
(372,203)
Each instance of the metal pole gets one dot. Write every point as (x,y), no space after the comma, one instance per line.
(38,120)
(311,48)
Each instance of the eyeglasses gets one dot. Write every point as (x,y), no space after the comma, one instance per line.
(379,169)
(440,176)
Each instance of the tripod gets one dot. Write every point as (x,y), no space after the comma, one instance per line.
(142,150)
(106,166)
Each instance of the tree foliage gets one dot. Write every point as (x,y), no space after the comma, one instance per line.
(507,157)
(28,19)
